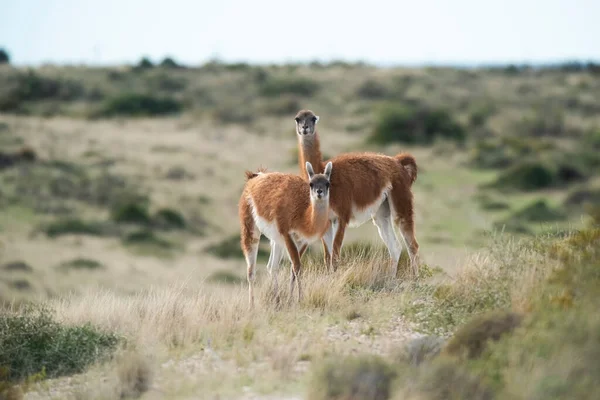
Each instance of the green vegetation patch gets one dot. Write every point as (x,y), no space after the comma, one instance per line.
(31,341)
(139,105)
(353,377)
(415,125)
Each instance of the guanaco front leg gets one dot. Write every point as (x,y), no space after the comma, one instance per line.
(295,257)
(337,243)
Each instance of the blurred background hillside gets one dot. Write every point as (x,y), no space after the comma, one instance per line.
(125,129)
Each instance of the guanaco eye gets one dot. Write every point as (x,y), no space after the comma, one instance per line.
(311,184)
(327,184)
(297,120)
(314,119)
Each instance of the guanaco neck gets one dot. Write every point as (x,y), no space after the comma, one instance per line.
(309,149)
(317,217)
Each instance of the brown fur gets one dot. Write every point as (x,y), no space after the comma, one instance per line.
(358,179)
(282,199)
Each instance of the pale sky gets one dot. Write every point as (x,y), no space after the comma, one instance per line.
(375,31)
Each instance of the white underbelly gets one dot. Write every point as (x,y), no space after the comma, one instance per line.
(360,216)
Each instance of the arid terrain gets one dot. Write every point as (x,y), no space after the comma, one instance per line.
(126,218)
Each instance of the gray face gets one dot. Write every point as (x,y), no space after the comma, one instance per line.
(319,187)
(305,122)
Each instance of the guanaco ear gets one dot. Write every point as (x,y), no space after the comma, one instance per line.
(328,169)
(309,170)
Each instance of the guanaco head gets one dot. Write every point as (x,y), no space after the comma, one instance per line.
(306,122)
(319,183)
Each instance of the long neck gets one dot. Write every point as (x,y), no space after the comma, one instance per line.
(309,149)
(316,217)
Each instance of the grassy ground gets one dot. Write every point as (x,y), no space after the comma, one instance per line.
(131,223)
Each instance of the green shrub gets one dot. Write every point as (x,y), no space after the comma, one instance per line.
(505,151)
(414,125)
(81,264)
(167,218)
(4,57)
(226,277)
(448,380)
(536,212)
(531,175)
(480,114)
(146,237)
(133,213)
(420,350)
(168,62)
(527,176)
(74,226)
(135,104)
(372,89)
(29,86)
(354,377)
(295,86)
(144,63)
(231,248)
(32,341)
(471,338)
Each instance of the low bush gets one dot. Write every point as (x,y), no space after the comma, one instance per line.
(415,125)
(530,175)
(231,248)
(17,90)
(226,277)
(362,377)
(81,264)
(273,86)
(502,152)
(139,105)
(167,218)
(133,213)
(470,339)
(146,237)
(74,226)
(31,341)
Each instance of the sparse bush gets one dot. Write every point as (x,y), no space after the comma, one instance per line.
(363,377)
(4,57)
(231,248)
(527,176)
(167,218)
(480,114)
(491,203)
(583,196)
(506,151)
(74,226)
(226,277)
(81,264)
(137,105)
(232,114)
(447,380)
(144,63)
(32,341)
(17,266)
(294,86)
(538,211)
(168,62)
(29,86)
(146,237)
(133,213)
(414,125)
(372,89)
(135,375)
(470,339)
(420,350)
